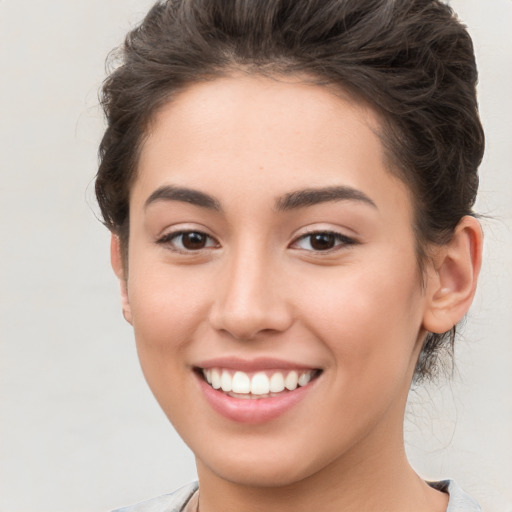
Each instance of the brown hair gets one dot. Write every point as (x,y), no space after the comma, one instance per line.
(411,60)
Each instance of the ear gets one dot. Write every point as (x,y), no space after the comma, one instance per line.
(452,282)
(117,265)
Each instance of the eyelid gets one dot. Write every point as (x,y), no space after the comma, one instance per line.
(168,236)
(166,239)
(345,240)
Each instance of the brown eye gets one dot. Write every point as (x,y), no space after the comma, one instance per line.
(187,241)
(323,241)
(194,241)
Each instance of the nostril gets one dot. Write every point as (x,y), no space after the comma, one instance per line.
(246,323)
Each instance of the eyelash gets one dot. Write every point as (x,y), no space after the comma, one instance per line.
(168,239)
(340,241)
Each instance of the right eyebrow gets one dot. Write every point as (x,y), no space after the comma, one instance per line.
(184,195)
(313,196)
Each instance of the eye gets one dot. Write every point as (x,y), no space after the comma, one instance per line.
(188,241)
(322,241)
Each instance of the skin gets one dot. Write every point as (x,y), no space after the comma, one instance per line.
(258,288)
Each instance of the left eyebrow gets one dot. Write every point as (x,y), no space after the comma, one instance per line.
(313,196)
(184,195)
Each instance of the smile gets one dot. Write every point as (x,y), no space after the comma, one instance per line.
(257,385)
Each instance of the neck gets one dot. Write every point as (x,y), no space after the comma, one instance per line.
(374,475)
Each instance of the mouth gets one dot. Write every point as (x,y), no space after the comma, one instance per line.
(257,385)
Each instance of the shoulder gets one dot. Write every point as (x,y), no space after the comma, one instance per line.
(173,502)
(460,501)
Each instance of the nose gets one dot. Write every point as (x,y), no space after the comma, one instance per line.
(250,299)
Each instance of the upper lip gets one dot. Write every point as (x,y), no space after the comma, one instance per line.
(253,365)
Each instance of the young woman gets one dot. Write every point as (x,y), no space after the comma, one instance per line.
(289,186)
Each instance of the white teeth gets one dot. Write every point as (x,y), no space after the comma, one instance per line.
(226,381)
(215,379)
(241,383)
(304,378)
(277,383)
(259,384)
(292,380)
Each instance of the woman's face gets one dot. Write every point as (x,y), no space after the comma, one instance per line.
(270,247)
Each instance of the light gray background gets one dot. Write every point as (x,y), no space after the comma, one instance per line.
(79,430)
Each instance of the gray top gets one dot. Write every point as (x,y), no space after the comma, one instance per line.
(176,501)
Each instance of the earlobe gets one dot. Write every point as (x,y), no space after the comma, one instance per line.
(118,267)
(452,282)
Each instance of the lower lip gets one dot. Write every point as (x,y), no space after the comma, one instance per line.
(253,410)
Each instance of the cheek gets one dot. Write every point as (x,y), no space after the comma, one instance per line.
(168,313)
(368,315)
(169,306)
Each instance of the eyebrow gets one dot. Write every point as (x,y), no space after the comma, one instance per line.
(313,196)
(184,195)
(291,201)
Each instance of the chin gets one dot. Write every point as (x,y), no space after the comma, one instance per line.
(269,475)
(272,470)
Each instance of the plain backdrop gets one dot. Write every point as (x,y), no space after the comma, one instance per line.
(79,429)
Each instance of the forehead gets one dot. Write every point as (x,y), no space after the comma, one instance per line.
(264,134)
(262,105)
